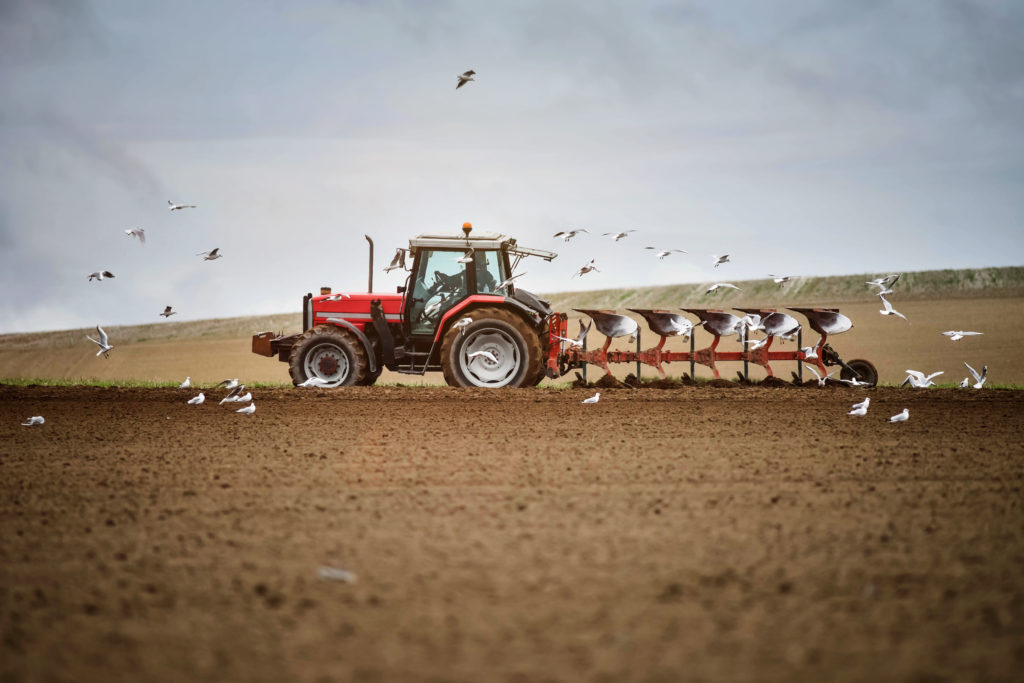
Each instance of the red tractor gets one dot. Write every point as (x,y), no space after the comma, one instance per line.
(459,312)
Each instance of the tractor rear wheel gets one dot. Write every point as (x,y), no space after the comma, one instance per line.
(865,370)
(498,349)
(330,353)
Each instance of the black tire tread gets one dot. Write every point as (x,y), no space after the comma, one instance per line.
(359,362)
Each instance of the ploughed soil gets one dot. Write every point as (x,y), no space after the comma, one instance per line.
(690,533)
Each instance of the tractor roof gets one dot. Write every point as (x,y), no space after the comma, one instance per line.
(476,240)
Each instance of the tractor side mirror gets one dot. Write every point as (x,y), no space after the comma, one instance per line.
(400,289)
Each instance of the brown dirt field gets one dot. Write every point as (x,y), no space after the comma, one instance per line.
(512,535)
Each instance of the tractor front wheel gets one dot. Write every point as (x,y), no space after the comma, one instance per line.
(498,349)
(330,353)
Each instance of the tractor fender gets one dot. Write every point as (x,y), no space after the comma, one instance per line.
(527,313)
(363,339)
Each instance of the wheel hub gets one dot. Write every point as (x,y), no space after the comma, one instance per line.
(328,365)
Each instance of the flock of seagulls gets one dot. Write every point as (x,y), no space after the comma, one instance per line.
(234,395)
(100,275)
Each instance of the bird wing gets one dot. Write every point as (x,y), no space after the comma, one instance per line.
(885,303)
(107,273)
(916,374)
(103,335)
(977,377)
(934,374)
(214,251)
(811,368)
(971,334)
(559,233)
(469,73)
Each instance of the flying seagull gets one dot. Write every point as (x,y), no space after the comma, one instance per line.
(228,383)
(889,310)
(137,233)
(177,207)
(486,355)
(884,282)
(465,78)
(186,384)
(901,417)
(577,343)
(979,380)
(105,347)
(662,253)
(918,380)
(508,281)
(313,382)
(468,258)
(821,380)
(462,324)
(593,399)
(719,260)
(32,421)
(100,274)
(780,279)
(168,312)
(569,234)
(585,269)
(248,410)
(233,395)
(210,255)
(397,262)
(617,235)
(854,382)
(957,335)
(714,288)
(196,400)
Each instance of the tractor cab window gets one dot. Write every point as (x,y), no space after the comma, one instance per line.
(440,284)
(490,270)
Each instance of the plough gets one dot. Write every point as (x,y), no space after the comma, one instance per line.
(775,324)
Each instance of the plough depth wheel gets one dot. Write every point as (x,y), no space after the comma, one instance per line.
(513,351)
(866,371)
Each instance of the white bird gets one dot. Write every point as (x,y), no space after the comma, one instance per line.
(210,255)
(715,287)
(467,258)
(780,279)
(102,342)
(337,297)
(137,233)
(859,410)
(917,379)
(313,382)
(100,274)
(662,253)
(233,395)
(854,382)
(757,343)
(569,234)
(462,324)
(32,421)
(486,355)
(965,382)
(617,235)
(884,283)
(397,262)
(248,410)
(719,260)
(586,269)
(177,207)
(593,399)
(465,78)
(244,398)
(508,281)
(957,335)
(889,310)
(821,380)
(336,574)
(196,400)
(810,353)
(186,384)
(228,383)
(863,404)
(979,380)
(168,312)
(901,417)
(577,343)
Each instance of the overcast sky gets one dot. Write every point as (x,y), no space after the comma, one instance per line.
(802,137)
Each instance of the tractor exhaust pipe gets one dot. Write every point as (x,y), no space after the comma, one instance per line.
(369,285)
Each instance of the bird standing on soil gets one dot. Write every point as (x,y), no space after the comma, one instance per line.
(863,404)
(901,417)
(979,379)
(917,379)
(233,395)
(859,411)
(197,400)
(186,384)
(248,410)
(245,398)
(465,77)
(593,399)
(33,421)
(102,342)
